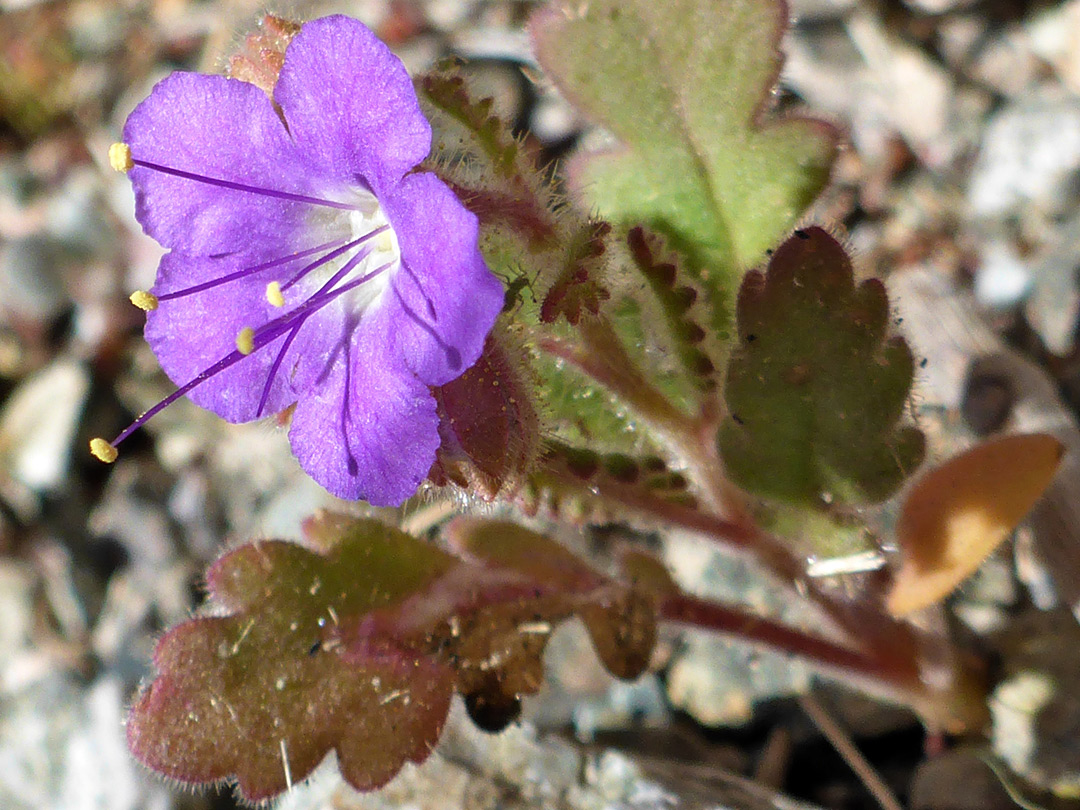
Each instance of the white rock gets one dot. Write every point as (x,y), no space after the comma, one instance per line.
(38,424)
(1003,278)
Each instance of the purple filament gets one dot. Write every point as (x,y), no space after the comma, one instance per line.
(247,271)
(268,333)
(266,192)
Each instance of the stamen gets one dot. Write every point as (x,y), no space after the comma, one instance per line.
(247,271)
(146,301)
(273,294)
(106,451)
(229,184)
(331,256)
(120,157)
(245,341)
(103,451)
(300,315)
(276,365)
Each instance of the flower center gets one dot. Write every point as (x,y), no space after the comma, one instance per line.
(364,226)
(349,270)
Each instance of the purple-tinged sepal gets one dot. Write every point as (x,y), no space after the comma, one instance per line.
(488,422)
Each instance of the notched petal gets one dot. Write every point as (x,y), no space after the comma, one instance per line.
(221,129)
(350,103)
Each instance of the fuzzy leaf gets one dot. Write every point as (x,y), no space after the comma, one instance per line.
(576,484)
(254,694)
(674,297)
(959,512)
(815,388)
(684,86)
(621,621)
(356,643)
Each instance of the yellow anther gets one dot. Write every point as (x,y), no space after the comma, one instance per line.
(245,341)
(103,451)
(273,294)
(384,242)
(120,157)
(146,301)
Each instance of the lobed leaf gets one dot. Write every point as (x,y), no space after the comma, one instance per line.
(682,340)
(576,290)
(261,695)
(684,86)
(816,387)
(355,644)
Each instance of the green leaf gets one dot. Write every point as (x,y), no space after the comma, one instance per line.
(684,86)
(816,388)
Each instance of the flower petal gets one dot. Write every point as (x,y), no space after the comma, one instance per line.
(191,333)
(224,129)
(444,301)
(350,103)
(368,431)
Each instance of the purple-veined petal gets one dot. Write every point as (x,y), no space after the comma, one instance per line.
(368,430)
(350,104)
(444,300)
(191,333)
(224,129)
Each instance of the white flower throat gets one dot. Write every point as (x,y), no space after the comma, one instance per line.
(376,252)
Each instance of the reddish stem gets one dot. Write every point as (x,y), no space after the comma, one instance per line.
(897,674)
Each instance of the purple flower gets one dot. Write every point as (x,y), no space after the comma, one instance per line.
(307,263)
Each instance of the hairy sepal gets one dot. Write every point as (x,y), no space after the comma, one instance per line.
(488,423)
(544,252)
(554,262)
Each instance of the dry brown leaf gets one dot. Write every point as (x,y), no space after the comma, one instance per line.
(959,512)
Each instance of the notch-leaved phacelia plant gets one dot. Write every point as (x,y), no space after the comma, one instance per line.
(325,253)
(308,264)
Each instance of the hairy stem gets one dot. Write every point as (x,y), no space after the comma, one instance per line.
(598,353)
(899,676)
